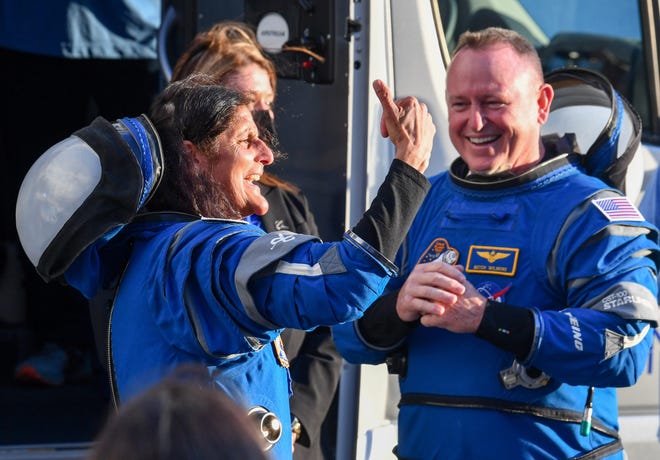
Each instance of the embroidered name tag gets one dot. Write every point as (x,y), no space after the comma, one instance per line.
(492,260)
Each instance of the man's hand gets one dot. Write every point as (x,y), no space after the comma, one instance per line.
(462,317)
(429,290)
(439,295)
(408,124)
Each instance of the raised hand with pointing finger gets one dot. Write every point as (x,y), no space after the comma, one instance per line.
(409,125)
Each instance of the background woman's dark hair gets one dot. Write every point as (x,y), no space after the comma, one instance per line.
(223,50)
(184,417)
(196,109)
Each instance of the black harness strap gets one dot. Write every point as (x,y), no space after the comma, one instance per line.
(601,452)
(563,415)
(472,402)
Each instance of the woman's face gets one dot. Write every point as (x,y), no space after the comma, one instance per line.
(236,162)
(253,82)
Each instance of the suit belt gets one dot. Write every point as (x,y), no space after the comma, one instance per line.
(562,415)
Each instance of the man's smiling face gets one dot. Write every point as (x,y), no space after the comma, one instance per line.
(497,104)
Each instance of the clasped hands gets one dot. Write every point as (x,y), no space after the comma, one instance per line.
(439,295)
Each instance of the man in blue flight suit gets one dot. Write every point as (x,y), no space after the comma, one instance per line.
(527,289)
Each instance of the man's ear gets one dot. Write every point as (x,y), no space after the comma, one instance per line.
(546,94)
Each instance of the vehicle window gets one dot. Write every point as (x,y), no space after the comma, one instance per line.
(601,35)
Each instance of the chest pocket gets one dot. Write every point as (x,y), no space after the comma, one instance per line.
(479,215)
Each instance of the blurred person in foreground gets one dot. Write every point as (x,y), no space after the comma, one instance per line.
(180,418)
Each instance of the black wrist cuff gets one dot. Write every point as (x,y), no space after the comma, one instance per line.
(385,224)
(381,326)
(508,327)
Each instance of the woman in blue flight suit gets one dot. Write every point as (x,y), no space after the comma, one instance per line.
(214,290)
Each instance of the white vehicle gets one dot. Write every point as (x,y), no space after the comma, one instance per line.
(327,119)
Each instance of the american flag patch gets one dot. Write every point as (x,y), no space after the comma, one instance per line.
(618,208)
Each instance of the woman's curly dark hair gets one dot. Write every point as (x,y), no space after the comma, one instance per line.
(195,109)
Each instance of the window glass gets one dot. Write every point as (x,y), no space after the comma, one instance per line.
(601,35)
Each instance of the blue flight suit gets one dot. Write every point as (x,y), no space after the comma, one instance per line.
(553,240)
(219,292)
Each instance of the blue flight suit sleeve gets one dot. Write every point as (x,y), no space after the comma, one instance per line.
(576,343)
(314,284)
(350,342)
(603,337)
(264,283)
(353,348)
